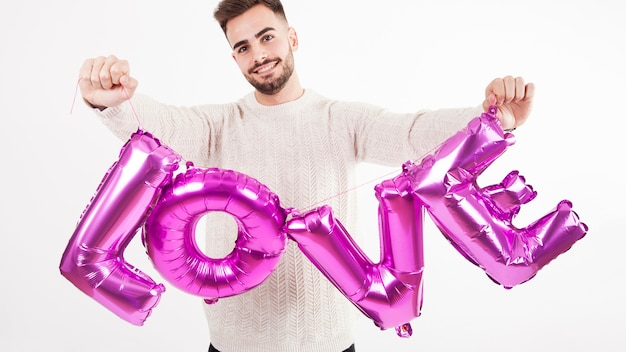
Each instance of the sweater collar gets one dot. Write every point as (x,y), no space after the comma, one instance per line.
(253,104)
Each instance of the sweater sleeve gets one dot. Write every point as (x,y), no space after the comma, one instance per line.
(190,131)
(387,138)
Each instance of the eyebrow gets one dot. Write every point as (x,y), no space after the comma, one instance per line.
(261,32)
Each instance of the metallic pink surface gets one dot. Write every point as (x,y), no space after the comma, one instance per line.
(170,240)
(93,259)
(478,221)
(388,292)
(138,190)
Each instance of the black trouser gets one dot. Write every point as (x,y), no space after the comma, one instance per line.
(349,349)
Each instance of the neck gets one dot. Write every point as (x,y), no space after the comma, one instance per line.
(290,92)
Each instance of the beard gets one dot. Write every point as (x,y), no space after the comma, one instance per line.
(273,86)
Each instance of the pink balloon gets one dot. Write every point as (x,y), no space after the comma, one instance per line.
(138,190)
(170,228)
(478,221)
(389,292)
(93,259)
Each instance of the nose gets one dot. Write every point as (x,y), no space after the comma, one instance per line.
(259,54)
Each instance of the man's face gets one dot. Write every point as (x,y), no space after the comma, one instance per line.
(263,47)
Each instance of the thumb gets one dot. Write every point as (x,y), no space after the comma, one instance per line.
(129,85)
(490,100)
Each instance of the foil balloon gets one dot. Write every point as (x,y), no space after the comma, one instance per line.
(170,240)
(388,292)
(93,259)
(478,221)
(140,190)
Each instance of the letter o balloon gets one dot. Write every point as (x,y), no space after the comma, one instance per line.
(477,221)
(169,232)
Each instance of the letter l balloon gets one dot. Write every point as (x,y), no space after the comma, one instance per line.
(93,259)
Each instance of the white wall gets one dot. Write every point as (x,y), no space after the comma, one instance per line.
(404,55)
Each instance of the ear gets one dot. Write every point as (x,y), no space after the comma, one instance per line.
(293,39)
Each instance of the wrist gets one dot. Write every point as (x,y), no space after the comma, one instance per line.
(94,106)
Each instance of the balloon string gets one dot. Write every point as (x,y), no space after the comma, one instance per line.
(324,201)
(132,107)
(494,100)
(75,94)
(493,109)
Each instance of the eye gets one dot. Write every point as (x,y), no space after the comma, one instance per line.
(268,37)
(242,49)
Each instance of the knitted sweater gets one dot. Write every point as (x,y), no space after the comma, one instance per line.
(306,152)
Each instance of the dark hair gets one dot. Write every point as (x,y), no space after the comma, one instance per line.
(228,9)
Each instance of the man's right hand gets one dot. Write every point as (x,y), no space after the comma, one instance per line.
(106,82)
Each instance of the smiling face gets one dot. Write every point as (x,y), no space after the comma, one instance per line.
(263,46)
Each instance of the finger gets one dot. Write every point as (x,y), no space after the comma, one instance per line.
(85,70)
(106,79)
(119,69)
(95,76)
(84,75)
(129,85)
(530,92)
(129,82)
(495,92)
(509,89)
(520,89)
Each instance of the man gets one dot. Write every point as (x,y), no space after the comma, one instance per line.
(303,146)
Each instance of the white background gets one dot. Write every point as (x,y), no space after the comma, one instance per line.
(403,55)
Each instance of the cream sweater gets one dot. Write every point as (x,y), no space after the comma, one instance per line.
(305,151)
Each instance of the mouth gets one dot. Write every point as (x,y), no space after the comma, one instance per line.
(265,68)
